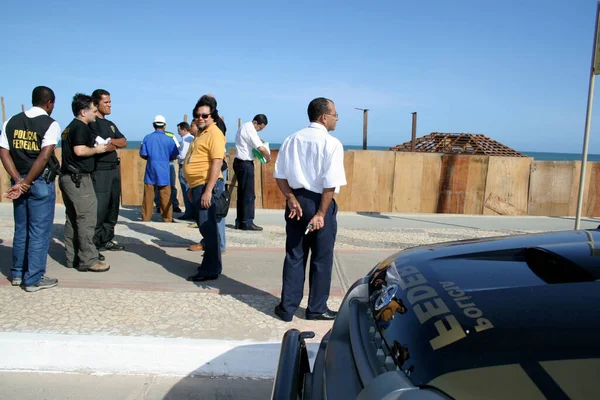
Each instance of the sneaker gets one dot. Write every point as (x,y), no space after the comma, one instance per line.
(112,246)
(16,281)
(100,267)
(44,283)
(177,210)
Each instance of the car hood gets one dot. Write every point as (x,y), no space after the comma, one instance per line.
(495,301)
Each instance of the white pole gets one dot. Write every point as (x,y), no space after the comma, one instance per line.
(588,120)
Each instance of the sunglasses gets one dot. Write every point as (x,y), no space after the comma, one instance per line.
(203,116)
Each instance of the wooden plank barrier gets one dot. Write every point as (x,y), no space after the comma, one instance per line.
(416,182)
(4,184)
(507,184)
(553,188)
(272,198)
(462,184)
(344,198)
(258,181)
(592,191)
(373,180)
(231,155)
(132,177)
(59,198)
(380,181)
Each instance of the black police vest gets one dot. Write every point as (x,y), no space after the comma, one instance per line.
(25,137)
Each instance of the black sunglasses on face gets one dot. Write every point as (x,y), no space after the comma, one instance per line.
(203,116)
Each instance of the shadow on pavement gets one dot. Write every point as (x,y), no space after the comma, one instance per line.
(591,220)
(256,298)
(163,238)
(6,255)
(134,213)
(373,214)
(209,388)
(56,251)
(184,268)
(257,363)
(437,222)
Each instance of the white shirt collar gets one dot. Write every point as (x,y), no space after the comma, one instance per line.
(37,111)
(318,126)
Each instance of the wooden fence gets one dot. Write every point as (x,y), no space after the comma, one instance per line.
(387,181)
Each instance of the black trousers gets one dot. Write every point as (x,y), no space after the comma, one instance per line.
(246,197)
(107,184)
(297,246)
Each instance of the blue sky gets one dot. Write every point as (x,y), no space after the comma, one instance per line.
(516,71)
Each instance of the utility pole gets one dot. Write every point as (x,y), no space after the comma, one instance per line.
(239,123)
(3,111)
(594,70)
(413,141)
(23,107)
(365,123)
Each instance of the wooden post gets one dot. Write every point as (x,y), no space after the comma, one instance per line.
(365,123)
(413,141)
(3,111)
(184,117)
(239,123)
(23,107)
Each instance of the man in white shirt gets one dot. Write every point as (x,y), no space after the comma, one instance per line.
(186,138)
(309,170)
(247,139)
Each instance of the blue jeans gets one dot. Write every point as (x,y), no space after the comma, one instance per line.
(221,221)
(189,209)
(207,224)
(34,214)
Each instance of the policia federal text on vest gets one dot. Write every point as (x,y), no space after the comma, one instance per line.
(25,137)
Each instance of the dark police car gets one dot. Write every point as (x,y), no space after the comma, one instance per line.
(503,318)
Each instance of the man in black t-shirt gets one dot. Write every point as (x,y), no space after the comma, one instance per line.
(79,149)
(107,176)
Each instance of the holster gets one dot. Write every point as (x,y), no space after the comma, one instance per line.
(75,175)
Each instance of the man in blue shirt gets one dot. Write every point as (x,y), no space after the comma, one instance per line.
(158,149)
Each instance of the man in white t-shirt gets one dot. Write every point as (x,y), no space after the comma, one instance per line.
(186,139)
(309,170)
(247,139)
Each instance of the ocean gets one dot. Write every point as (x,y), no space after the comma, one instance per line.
(542,156)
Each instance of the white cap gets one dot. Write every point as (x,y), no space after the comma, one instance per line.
(159,120)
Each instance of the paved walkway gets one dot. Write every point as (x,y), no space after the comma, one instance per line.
(145,293)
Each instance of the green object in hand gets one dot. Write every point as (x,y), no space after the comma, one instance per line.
(259,155)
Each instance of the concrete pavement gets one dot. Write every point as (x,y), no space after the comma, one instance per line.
(76,386)
(144,317)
